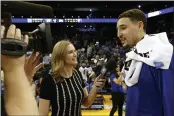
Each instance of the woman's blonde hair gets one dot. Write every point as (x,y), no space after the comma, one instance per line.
(57,59)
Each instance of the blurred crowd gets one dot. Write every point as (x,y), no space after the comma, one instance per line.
(91,55)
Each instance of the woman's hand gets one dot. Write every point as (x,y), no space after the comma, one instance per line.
(99,82)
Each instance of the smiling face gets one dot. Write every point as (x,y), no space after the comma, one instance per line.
(71,56)
(64,55)
(127,31)
(131,27)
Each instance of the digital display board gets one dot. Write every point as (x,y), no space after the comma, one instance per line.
(85,20)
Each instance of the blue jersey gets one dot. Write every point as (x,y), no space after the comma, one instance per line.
(115,87)
(168,90)
(153,95)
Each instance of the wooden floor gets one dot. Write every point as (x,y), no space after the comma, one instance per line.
(105,112)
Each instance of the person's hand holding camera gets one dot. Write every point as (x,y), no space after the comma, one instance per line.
(19,98)
(11,63)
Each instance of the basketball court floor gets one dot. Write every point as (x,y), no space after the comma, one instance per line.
(104,112)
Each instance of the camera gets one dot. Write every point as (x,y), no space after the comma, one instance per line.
(41,37)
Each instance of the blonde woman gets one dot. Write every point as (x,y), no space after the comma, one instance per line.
(64,88)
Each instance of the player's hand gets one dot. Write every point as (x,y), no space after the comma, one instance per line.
(11,63)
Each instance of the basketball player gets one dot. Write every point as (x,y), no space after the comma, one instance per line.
(153,94)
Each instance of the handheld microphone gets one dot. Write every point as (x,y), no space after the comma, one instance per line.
(110,65)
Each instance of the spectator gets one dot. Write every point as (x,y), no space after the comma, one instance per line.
(116,91)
